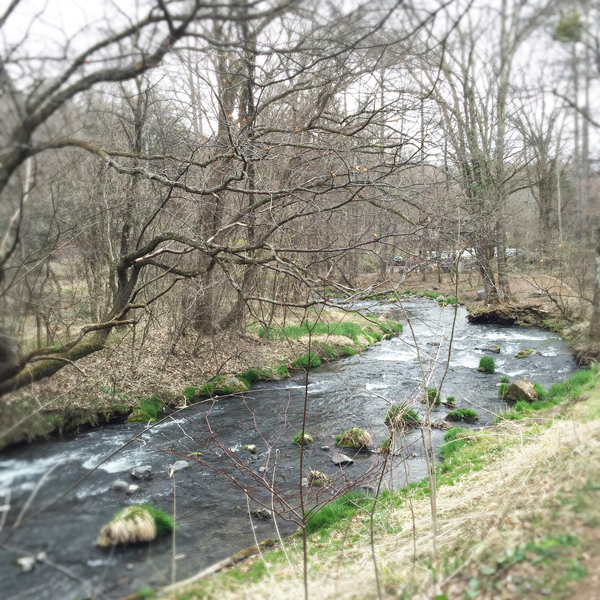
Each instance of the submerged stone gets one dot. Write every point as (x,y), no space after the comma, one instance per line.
(119,485)
(132,489)
(143,472)
(180,465)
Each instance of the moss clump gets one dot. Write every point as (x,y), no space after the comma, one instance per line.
(401,416)
(307,439)
(189,393)
(502,389)
(524,353)
(450,401)
(466,415)
(487,364)
(146,410)
(308,361)
(355,438)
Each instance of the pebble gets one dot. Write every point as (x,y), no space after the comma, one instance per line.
(250,448)
(132,489)
(26,563)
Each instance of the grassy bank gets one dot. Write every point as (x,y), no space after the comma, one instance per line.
(516,517)
(116,386)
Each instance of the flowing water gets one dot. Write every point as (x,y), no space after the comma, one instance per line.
(212,510)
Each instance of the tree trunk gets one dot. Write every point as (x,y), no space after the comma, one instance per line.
(595,321)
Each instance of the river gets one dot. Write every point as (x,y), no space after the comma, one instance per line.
(212,513)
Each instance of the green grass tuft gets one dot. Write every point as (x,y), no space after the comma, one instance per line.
(298,439)
(146,410)
(335,512)
(401,415)
(453,441)
(487,364)
(466,415)
(189,393)
(307,361)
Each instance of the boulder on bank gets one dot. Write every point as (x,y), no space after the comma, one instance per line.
(510,314)
(231,385)
(521,390)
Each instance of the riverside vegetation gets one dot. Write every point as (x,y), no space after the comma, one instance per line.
(275,352)
(493,533)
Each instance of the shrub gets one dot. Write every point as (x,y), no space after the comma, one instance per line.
(354,438)
(467,415)
(307,361)
(147,410)
(487,364)
(401,416)
(307,439)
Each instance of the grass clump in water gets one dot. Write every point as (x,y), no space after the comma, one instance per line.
(432,396)
(355,438)
(487,364)
(466,415)
(298,439)
(147,410)
(401,416)
(450,401)
(504,379)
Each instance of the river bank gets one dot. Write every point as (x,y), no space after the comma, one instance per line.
(110,388)
(516,517)
(212,516)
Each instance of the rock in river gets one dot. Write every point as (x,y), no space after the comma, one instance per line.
(341,459)
(132,489)
(178,466)
(119,485)
(142,472)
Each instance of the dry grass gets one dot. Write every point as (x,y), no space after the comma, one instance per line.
(131,526)
(481,516)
